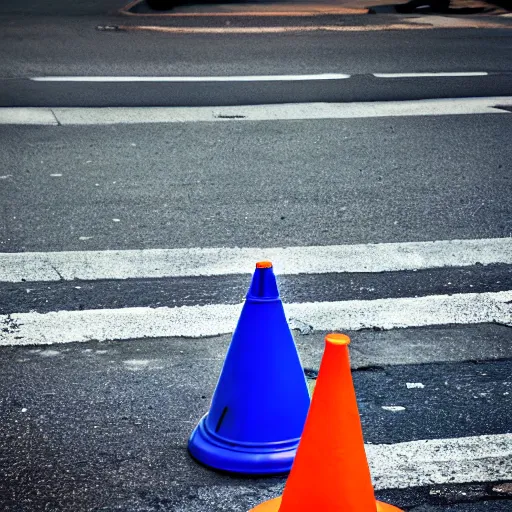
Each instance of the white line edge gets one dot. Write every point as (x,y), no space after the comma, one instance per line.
(186,79)
(426,75)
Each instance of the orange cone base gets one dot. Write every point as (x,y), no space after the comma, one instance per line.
(386,507)
(273,506)
(268,506)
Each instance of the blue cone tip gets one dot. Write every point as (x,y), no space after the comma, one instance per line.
(261,400)
(263,285)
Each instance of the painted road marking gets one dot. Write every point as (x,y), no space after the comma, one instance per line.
(473,23)
(34,116)
(485,458)
(436,21)
(281,112)
(434,75)
(212,320)
(183,79)
(157,263)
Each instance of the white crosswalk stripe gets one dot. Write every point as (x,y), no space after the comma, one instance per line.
(282,112)
(153,263)
(441,461)
(213,320)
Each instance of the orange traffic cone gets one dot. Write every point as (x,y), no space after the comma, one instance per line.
(330,472)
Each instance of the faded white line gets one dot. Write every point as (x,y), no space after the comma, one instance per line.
(485,458)
(289,29)
(424,75)
(155,263)
(436,21)
(183,79)
(211,320)
(281,112)
(28,116)
(411,24)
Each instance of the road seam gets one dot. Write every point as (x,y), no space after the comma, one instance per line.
(56,119)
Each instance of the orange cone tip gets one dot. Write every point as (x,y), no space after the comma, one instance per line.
(264,264)
(330,472)
(337,338)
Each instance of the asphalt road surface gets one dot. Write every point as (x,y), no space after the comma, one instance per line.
(128,236)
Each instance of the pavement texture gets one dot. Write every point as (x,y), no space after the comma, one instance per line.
(60,7)
(354,181)
(36,46)
(77,295)
(104,426)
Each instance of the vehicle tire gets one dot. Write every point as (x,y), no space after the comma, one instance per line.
(160,5)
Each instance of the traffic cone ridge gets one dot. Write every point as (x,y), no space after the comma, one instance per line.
(263,285)
(330,472)
(261,399)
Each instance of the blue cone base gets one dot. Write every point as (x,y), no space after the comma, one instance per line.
(248,458)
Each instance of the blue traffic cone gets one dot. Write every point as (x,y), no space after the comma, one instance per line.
(261,400)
